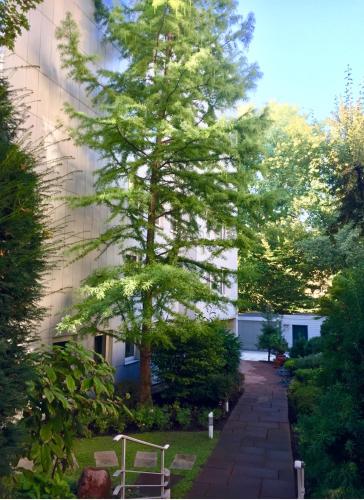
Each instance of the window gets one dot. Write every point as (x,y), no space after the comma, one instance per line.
(61,343)
(129,350)
(100,346)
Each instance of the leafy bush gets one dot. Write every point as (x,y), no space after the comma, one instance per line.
(332,435)
(37,485)
(298,349)
(149,418)
(71,388)
(183,416)
(311,361)
(303,396)
(306,347)
(290,365)
(199,369)
(128,391)
(314,346)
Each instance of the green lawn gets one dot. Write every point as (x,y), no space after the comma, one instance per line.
(196,443)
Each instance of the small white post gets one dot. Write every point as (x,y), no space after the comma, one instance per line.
(123,467)
(300,468)
(162,474)
(227,406)
(211,424)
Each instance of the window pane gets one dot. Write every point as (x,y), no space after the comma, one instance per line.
(129,349)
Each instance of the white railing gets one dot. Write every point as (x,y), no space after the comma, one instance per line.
(164,473)
(300,469)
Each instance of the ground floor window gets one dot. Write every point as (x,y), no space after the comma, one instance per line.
(100,345)
(129,350)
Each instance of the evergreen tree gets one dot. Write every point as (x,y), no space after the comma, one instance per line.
(22,263)
(167,158)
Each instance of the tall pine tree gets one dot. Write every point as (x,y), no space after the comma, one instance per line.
(170,162)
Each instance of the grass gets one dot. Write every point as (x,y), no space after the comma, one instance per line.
(196,443)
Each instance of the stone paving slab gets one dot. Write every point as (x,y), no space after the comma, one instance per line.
(253,458)
(146,459)
(183,462)
(106,459)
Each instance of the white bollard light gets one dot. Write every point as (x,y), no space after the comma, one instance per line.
(300,468)
(211,424)
(227,406)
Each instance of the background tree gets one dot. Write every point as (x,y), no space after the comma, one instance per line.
(278,271)
(168,158)
(346,158)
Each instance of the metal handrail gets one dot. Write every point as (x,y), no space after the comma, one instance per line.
(152,445)
(123,471)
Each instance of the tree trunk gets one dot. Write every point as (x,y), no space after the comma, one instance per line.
(268,355)
(145,394)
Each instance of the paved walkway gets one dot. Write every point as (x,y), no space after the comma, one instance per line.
(253,458)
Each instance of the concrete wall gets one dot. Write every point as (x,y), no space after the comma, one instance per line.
(250,325)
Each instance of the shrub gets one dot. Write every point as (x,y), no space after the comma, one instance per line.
(149,418)
(303,396)
(70,389)
(311,361)
(183,416)
(128,391)
(332,436)
(36,485)
(199,369)
(298,349)
(314,346)
(290,365)
(306,347)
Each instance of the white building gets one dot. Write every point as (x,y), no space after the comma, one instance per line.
(294,327)
(35,65)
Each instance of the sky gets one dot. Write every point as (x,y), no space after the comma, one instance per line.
(303,48)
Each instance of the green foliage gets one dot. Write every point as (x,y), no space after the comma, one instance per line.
(23,237)
(200,367)
(332,436)
(172,163)
(306,347)
(303,396)
(310,361)
(290,365)
(278,272)
(37,485)
(271,337)
(13,18)
(182,415)
(71,388)
(149,418)
(346,158)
